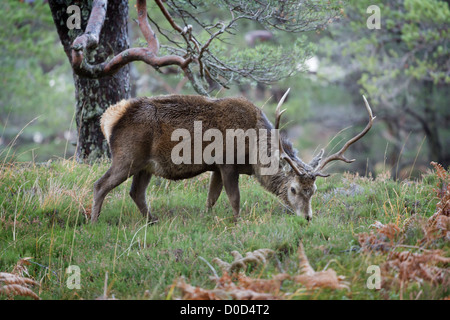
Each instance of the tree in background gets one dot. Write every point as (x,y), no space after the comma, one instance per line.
(404,67)
(94,94)
(190,38)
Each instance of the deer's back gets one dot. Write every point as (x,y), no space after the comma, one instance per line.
(142,128)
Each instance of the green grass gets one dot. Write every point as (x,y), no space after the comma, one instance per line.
(42,215)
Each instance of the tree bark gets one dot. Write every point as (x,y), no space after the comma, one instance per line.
(94,96)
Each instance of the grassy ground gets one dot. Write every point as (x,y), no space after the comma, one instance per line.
(42,215)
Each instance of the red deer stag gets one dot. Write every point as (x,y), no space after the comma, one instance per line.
(140,133)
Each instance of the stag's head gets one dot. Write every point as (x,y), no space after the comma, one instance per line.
(299,190)
(300,177)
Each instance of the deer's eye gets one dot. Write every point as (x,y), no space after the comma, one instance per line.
(293,190)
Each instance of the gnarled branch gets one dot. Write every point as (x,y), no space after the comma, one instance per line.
(146,30)
(292,16)
(89,40)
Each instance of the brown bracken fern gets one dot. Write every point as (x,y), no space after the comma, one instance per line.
(16,284)
(312,279)
(438,225)
(235,285)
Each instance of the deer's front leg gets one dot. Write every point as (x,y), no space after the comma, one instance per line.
(230,178)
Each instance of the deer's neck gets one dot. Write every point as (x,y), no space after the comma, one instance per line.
(275,183)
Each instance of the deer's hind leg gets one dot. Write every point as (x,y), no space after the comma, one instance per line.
(215,188)
(137,193)
(230,178)
(111,179)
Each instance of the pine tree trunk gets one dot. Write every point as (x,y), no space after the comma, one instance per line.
(94,96)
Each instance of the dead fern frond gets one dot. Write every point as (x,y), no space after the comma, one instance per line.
(18,290)
(272,286)
(235,285)
(418,266)
(382,239)
(444,178)
(322,279)
(438,225)
(21,267)
(9,278)
(256,257)
(225,289)
(15,285)
(190,292)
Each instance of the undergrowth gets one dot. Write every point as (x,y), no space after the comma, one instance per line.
(358,222)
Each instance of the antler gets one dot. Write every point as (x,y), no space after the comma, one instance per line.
(340,154)
(283,154)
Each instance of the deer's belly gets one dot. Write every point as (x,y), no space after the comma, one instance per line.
(172,171)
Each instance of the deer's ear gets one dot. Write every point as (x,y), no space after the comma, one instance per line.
(285,167)
(316,160)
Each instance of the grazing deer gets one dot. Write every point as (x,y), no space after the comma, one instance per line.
(140,135)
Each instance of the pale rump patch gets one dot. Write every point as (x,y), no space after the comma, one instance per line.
(111,116)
